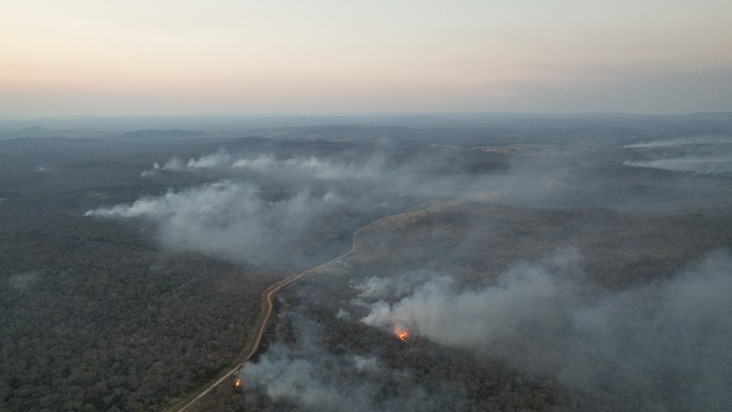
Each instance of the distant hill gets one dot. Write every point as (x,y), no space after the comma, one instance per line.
(154,134)
(33,131)
(42,132)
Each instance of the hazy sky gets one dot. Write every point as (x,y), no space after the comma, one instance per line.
(199,57)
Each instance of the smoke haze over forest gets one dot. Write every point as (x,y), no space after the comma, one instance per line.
(371,206)
(664,341)
(535,263)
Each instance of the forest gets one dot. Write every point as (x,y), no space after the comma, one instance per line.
(534,262)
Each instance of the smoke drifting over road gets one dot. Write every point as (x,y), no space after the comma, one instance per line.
(665,343)
(310,377)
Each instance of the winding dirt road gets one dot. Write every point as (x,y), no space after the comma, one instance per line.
(267,295)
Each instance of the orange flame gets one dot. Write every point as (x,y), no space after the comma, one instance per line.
(237,382)
(401,333)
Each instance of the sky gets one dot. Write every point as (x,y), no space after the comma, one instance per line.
(219,57)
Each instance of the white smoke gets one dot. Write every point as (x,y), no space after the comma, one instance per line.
(315,379)
(228,219)
(172,164)
(211,161)
(526,299)
(312,166)
(261,208)
(712,165)
(666,343)
(681,141)
(701,155)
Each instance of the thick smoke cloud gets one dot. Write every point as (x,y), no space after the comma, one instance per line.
(313,378)
(228,218)
(702,155)
(664,345)
(528,301)
(261,207)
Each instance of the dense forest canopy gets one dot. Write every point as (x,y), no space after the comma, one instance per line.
(535,263)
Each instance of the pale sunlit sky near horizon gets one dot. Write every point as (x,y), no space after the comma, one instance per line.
(218,57)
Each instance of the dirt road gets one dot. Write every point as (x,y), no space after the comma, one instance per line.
(267,295)
(267,298)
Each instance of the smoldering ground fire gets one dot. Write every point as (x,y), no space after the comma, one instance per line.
(401,333)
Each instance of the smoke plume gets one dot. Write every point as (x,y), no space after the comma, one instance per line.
(702,155)
(312,378)
(664,344)
(270,210)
